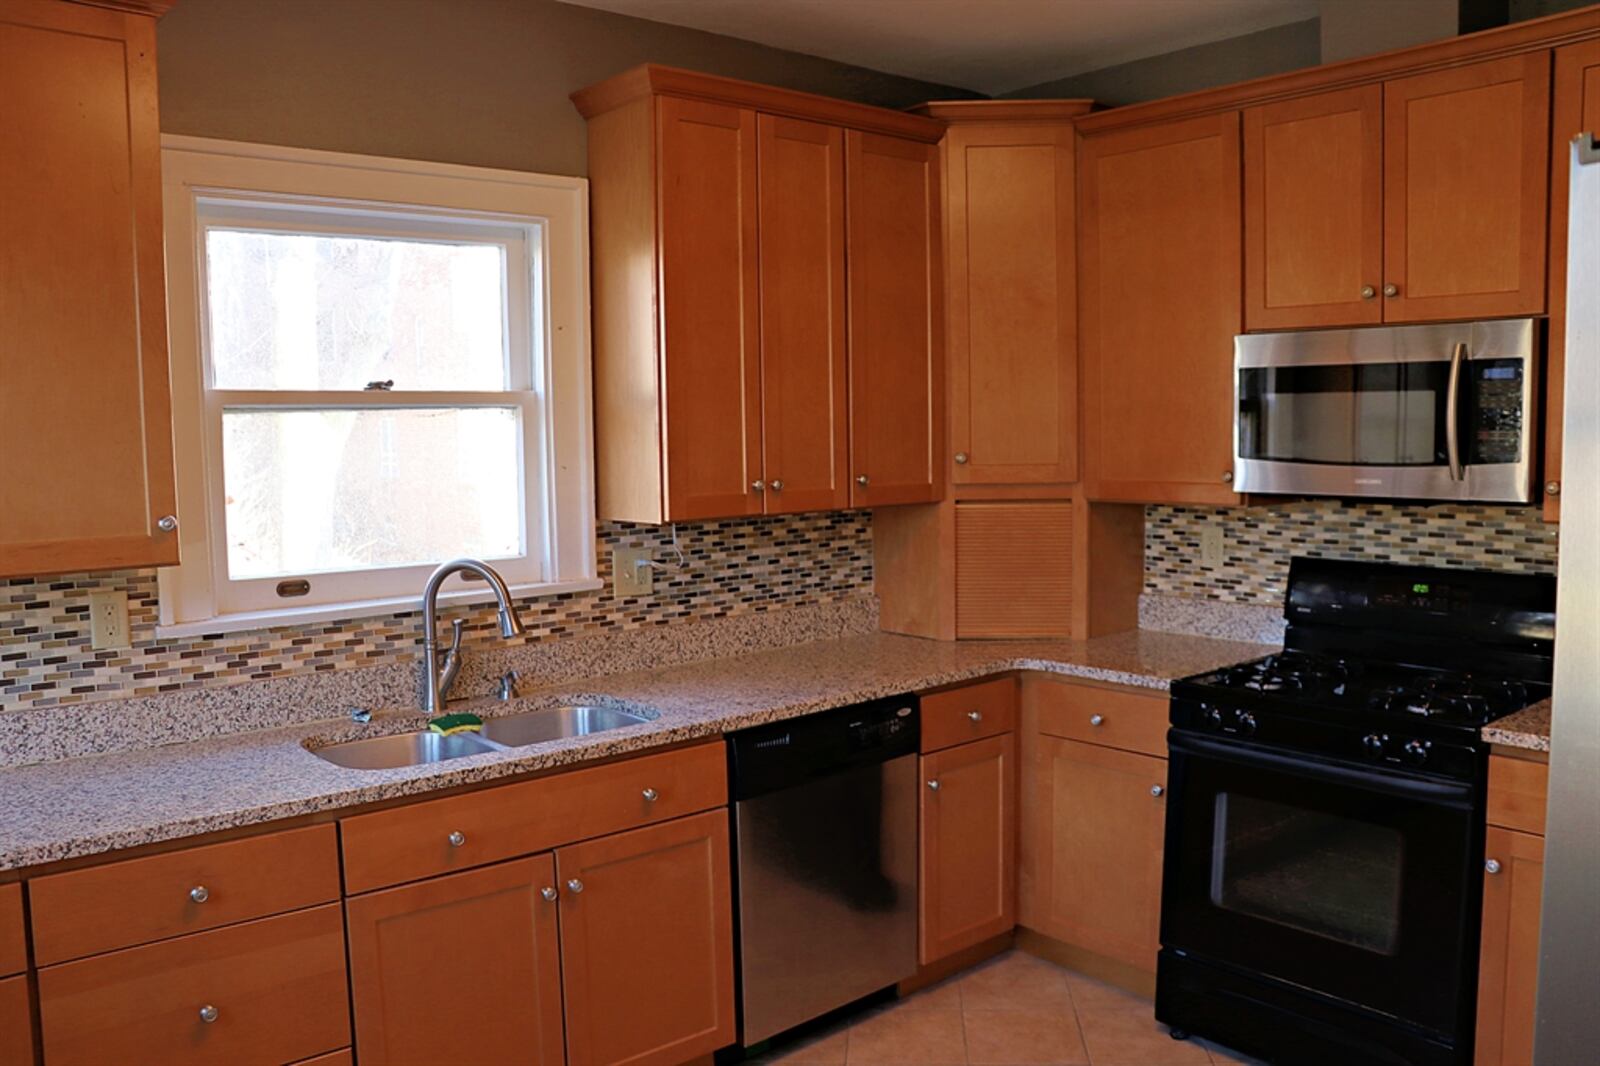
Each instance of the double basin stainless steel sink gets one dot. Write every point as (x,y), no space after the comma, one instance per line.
(498,734)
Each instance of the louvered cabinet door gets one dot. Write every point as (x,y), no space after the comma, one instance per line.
(1014,568)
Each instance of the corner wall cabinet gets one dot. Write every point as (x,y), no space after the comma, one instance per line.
(732,376)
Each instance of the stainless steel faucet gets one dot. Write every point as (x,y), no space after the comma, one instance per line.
(438,678)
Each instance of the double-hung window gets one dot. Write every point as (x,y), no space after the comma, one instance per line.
(379,366)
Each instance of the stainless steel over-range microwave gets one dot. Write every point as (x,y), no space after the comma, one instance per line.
(1436,412)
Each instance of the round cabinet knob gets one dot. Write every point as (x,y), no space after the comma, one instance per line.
(208,1014)
(1391,289)
(861,479)
(574,885)
(1097,719)
(1552,488)
(1227,477)
(650,795)
(777,485)
(167,523)
(548,893)
(1157,791)
(934,784)
(1368,292)
(961,458)
(457,838)
(199,893)
(758,486)
(975,716)
(1491,866)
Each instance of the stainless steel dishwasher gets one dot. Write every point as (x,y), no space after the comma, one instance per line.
(825,849)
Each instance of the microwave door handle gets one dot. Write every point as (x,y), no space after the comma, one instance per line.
(1452,415)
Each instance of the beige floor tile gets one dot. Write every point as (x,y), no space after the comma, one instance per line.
(899,1037)
(820,1049)
(1021,1037)
(1014,981)
(946,995)
(1120,1029)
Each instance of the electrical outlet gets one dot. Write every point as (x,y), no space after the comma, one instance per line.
(629,577)
(108,619)
(1213,549)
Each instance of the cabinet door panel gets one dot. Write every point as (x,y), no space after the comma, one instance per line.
(1097,850)
(804,435)
(1466,152)
(647,944)
(707,203)
(968,879)
(1159,259)
(896,329)
(16,1021)
(1313,210)
(485,934)
(85,412)
(1013,304)
(1575,109)
(1508,966)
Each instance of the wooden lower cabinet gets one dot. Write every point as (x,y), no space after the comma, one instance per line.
(342,1057)
(647,944)
(272,990)
(968,845)
(16,1022)
(459,968)
(1093,848)
(1508,966)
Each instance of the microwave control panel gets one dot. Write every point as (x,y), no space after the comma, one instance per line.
(1498,405)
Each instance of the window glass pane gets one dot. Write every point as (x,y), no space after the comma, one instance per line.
(310,311)
(312,491)
(1319,873)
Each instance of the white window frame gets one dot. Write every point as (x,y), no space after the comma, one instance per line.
(553,393)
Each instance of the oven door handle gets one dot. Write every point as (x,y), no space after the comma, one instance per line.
(1394,782)
(1452,406)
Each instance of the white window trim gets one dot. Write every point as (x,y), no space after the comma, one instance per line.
(200,167)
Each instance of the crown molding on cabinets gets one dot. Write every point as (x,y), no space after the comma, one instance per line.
(992,112)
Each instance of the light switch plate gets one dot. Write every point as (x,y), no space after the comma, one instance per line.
(629,578)
(1213,549)
(108,619)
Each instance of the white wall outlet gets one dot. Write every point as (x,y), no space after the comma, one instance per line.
(628,577)
(1213,549)
(108,619)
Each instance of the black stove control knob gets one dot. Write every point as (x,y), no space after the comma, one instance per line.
(1210,717)
(1416,751)
(1245,722)
(1373,744)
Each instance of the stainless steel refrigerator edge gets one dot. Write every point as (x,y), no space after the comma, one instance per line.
(1569,949)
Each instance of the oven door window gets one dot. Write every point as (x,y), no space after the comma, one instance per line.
(1362,414)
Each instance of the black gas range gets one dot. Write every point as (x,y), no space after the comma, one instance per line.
(1322,883)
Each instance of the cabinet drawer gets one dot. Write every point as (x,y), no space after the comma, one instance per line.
(439,836)
(119,905)
(13,938)
(277,986)
(971,712)
(1517,793)
(1116,718)
(16,1022)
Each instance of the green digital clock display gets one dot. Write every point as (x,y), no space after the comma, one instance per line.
(1421,589)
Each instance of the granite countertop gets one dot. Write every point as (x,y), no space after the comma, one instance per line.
(1528,728)
(86,806)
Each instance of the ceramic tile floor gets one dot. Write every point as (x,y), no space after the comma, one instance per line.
(1014,1010)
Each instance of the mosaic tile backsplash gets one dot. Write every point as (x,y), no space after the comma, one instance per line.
(1260,541)
(731,568)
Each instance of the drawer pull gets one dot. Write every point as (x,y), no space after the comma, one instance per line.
(1491,866)
(975,716)
(934,784)
(1157,791)
(208,1014)
(548,893)
(199,893)
(574,886)
(457,838)
(1097,719)
(651,795)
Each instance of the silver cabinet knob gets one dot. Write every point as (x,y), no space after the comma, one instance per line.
(861,479)
(961,458)
(1097,719)
(1157,791)
(1491,866)
(548,893)
(574,885)
(777,484)
(975,716)
(934,784)
(1391,289)
(457,838)
(758,485)
(1552,488)
(199,893)
(1227,477)
(209,1014)
(651,795)
(167,523)
(1368,292)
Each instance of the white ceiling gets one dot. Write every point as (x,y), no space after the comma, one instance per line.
(990,46)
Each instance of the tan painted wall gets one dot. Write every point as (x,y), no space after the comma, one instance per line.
(481,82)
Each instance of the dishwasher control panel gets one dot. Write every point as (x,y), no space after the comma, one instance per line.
(780,754)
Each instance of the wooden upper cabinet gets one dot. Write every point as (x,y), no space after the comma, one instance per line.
(802,282)
(1575,109)
(1508,966)
(1466,156)
(1160,274)
(490,931)
(1012,339)
(1313,211)
(86,470)
(711,360)
(896,320)
(969,828)
(647,944)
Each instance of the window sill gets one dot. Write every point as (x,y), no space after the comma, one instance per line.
(338,612)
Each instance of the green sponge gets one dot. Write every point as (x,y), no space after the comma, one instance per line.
(447,724)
